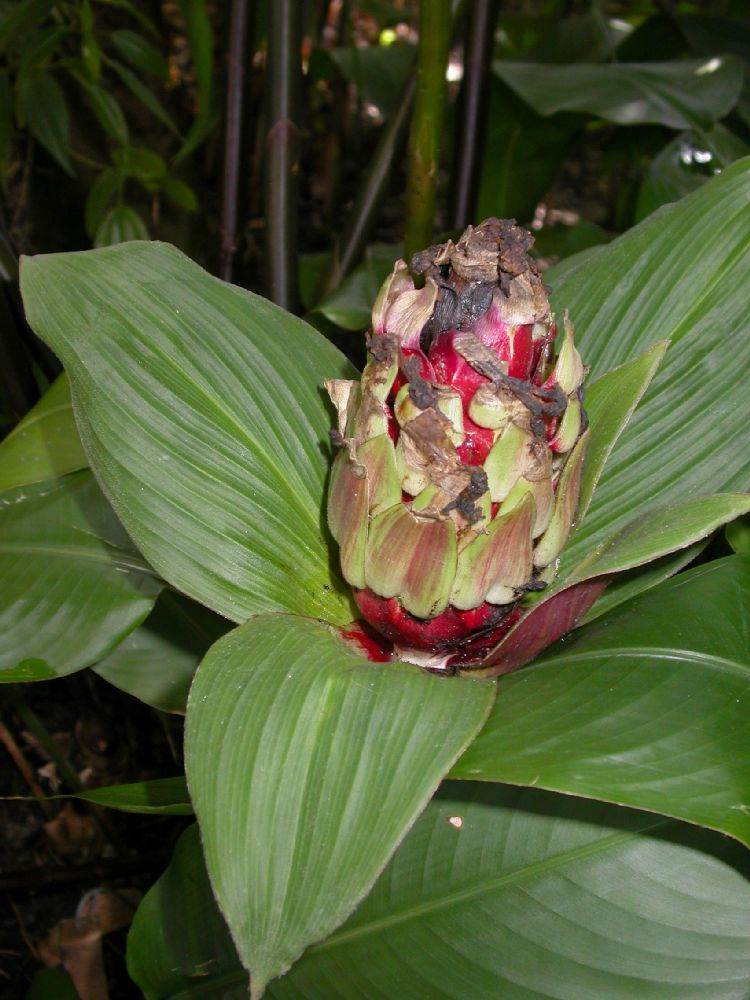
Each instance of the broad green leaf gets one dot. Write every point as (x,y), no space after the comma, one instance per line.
(652,536)
(659,531)
(45,444)
(108,113)
(162,796)
(630,583)
(558,241)
(610,402)
(681,94)
(71,583)
(178,943)
(496,893)
(678,276)
(306,766)
(120,225)
(142,164)
(738,535)
(107,186)
(350,305)
(45,111)
(522,154)
(551,38)
(378,72)
(685,164)
(144,94)
(202,410)
(646,707)
(139,52)
(157,661)
(180,194)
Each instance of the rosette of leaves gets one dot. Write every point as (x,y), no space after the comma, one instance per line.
(202,414)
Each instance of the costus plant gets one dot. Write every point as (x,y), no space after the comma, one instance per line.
(486,496)
(461,448)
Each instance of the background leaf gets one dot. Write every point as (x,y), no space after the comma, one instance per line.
(679,276)
(108,112)
(44,109)
(45,444)
(202,408)
(738,535)
(162,796)
(178,942)
(495,893)
(523,152)
(139,52)
(350,305)
(119,225)
(306,766)
(685,164)
(72,584)
(647,707)
(681,94)
(157,661)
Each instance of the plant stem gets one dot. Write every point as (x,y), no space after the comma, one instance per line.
(350,247)
(232,136)
(472,110)
(282,141)
(427,123)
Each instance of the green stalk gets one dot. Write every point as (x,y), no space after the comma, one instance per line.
(282,144)
(427,123)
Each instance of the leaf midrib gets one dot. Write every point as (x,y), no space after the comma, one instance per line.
(721,663)
(33,419)
(114,557)
(486,886)
(434,906)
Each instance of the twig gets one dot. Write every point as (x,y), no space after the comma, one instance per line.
(282,142)
(472,110)
(232,136)
(427,123)
(16,755)
(358,227)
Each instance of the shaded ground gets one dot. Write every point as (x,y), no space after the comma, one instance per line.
(53,854)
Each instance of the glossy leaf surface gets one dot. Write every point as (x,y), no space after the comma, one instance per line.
(178,943)
(677,276)
(72,585)
(680,94)
(306,766)
(201,408)
(45,444)
(165,796)
(647,707)
(496,894)
(157,661)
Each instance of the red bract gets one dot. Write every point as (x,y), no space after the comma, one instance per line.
(461,449)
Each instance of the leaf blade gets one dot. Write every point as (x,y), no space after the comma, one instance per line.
(209,443)
(313,737)
(643,708)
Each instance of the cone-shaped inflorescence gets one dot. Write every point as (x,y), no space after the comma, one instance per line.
(461,448)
